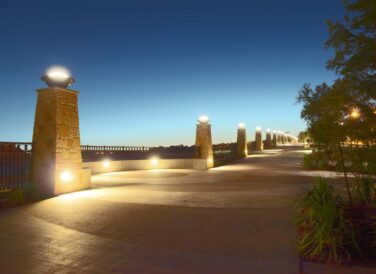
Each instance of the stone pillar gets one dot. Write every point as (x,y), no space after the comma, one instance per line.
(56,157)
(268,140)
(274,140)
(204,147)
(242,141)
(258,139)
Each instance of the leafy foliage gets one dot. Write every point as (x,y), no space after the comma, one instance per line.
(325,234)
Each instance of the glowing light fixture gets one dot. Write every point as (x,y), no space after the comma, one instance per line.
(66,176)
(258,129)
(241,125)
(268,130)
(154,161)
(355,113)
(58,76)
(203,119)
(106,163)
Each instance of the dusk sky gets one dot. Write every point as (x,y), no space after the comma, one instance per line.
(147,69)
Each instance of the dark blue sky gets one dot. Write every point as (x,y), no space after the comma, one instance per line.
(147,69)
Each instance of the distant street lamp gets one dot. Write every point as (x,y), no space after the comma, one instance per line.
(58,76)
(241,141)
(355,113)
(204,147)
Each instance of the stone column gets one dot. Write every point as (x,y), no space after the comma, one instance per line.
(56,156)
(258,139)
(242,141)
(268,140)
(204,147)
(274,140)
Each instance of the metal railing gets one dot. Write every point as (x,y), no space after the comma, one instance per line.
(224,153)
(15,161)
(113,148)
(96,153)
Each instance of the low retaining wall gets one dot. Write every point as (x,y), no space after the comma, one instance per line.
(112,166)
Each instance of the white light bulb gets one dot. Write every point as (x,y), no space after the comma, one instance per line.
(203,119)
(241,125)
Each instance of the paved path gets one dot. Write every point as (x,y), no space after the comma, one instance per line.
(232,219)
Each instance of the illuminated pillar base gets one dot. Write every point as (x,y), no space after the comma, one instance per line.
(258,141)
(242,143)
(56,155)
(274,140)
(268,141)
(204,148)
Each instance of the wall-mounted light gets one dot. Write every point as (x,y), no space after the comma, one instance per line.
(58,76)
(154,161)
(106,163)
(66,176)
(203,119)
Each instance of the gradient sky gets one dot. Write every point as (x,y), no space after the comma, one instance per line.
(147,69)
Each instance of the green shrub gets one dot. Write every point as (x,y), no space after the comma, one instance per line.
(316,161)
(364,190)
(325,234)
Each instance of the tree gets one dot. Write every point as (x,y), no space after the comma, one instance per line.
(354,42)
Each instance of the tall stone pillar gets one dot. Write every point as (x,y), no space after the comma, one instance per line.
(204,147)
(268,140)
(274,140)
(242,141)
(56,157)
(258,139)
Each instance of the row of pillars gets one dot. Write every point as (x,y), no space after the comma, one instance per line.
(204,147)
(56,159)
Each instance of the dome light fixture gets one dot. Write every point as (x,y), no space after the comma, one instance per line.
(203,119)
(241,125)
(268,130)
(58,76)
(258,129)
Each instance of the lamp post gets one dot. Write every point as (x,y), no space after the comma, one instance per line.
(204,147)
(274,140)
(258,139)
(242,141)
(56,159)
(268,139)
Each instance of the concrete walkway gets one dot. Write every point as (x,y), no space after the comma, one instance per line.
(232,219)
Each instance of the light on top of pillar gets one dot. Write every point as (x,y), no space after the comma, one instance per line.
(268,130)
(58,76)
(241,125)
(203,119)
(274,131)
(258,129)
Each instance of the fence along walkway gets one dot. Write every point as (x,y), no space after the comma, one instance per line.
(15,158)
(15,161)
